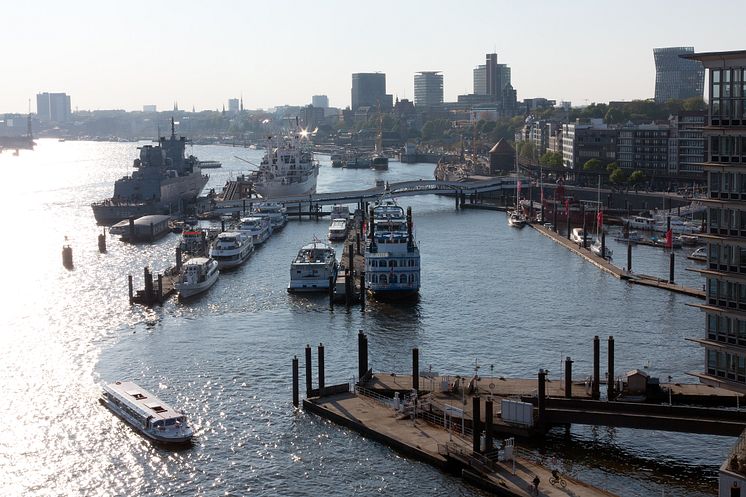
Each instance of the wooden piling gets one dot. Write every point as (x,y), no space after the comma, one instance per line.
(362,290)
(309,385)
(603,243)
(102,243)
(488,413)
(596,390)
(629,255)
(541,400)
(67,257)
(321,369)
(416,369)
(476,424)
(331,291)
(671,267)
(610,379)
(295,382)
(131,290)
(568,377)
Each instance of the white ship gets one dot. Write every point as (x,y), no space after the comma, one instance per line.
(288,168)
(231,249)
(146,413)
(313,268)
(197,275)
(258,228)
(392,257)
(276,213)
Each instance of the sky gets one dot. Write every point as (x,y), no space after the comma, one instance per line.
(123,55)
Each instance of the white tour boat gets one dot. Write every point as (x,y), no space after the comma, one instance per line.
(276,213)
(313,268)
(258,228)
(338,230)
(577,236)
(288,167)
(392,257)
(231,249)
(193,242)
(197,275)
(146,413)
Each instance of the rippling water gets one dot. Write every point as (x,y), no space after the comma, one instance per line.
(511,299)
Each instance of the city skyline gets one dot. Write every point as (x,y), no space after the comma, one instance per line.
(112,60)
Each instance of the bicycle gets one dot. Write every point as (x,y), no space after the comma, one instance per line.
(558,481)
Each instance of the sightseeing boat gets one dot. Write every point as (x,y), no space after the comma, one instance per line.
(193,242)
(392,257)
(313,268)
(258,228)
(197,275)
(146,413)
(275,212)
(338,230)
(231,249)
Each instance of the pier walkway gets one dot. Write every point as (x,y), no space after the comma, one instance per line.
(616,271)
(431,443)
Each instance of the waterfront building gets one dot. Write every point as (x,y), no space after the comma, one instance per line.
(584,141)
(369,89)
(686,143)
(724,339)
(677,78)
(644,147)
(320,101)
(428,89)
(502,157)
(53,107)
(233,105)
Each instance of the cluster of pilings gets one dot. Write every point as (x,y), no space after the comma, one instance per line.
(151,294)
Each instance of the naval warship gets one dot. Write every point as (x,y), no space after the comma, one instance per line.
(163,181)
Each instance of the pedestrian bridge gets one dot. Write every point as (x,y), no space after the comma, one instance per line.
(399,189)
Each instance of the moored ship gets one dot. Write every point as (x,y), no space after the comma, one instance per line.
(392,257)
(163,181)
(288,168)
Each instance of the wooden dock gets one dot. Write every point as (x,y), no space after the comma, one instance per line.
(425,441)
(617,272)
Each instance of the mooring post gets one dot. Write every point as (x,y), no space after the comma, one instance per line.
(295,381)
(148,285)
(610,379)
(569,227)
(309,385)
(362,290)
(541,393)
(361,367)
(416,369)
(131,290)
(585,235)
(102,243)
(671,267)
(178,259)
(348,288)
(331,291)
(321,369)
(629,255)
(67,257)
(160,288)
(603,244)
(456,197)
(476,425)
(488,423)
(568,377)
(596,391)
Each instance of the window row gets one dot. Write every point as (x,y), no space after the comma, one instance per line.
(726,258)
(726,294)
(727,330)
(413,262)
(727,183)
(385,279)
(730,222)
(726,365)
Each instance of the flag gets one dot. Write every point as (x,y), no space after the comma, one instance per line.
(669,238)
(600,219)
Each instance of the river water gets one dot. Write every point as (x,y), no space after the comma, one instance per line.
(513,300)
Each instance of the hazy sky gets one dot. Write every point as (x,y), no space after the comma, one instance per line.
(125,54)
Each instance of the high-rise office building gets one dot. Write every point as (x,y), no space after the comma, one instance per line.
(428,89)
(149,108)
(369,89)
(233,105)
(480,80)
(677,78)
(320,101)
(54,107)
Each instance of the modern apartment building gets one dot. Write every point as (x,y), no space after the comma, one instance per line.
(428,89)
(583,142)
(686,143)
(724,339)
(480,80)
(677,78)
(320,101)
(54,107)
(644,147)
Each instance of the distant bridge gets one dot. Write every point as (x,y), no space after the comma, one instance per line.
(400,189)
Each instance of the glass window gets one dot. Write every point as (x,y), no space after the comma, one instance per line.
(716,75)
(714,180)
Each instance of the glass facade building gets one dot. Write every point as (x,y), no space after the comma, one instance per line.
(428,89)
(677,78)
(724,339)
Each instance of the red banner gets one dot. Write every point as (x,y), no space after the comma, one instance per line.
(669,238)
(600,220)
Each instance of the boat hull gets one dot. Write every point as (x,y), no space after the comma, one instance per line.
(276,190)
(310,285)
(179,441)
(188,291)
